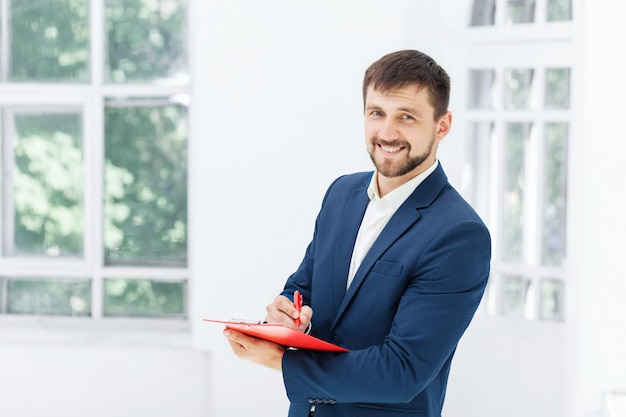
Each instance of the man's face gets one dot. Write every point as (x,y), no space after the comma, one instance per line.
(401,133)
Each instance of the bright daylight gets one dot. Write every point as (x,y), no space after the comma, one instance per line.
(215,208)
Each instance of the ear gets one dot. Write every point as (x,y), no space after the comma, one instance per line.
(444,124)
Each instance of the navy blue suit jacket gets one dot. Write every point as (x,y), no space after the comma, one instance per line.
(405,311)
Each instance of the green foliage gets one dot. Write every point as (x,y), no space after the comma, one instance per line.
(48,184)
(50,40)
(55,297)
(146,185)
(516,140)
(145,39)
(145,166)
(139,297)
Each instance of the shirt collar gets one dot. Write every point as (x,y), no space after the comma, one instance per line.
(397,196)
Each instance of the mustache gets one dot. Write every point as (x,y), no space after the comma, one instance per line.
(391,144)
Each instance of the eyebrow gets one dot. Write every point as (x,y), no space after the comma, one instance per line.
(412,110)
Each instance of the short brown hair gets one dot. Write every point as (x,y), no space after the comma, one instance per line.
(398,69)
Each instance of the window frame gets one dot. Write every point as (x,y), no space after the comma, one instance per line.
(90,98)
(541,46)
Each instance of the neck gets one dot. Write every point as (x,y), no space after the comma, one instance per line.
(388,184)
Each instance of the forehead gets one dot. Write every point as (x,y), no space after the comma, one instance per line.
(412,94)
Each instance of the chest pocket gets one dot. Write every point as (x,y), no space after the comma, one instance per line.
(387,268)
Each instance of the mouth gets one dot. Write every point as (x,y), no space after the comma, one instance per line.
(390,150)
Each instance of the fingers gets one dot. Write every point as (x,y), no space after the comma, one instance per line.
(257,350)
(306,314)
(238,342)
(283,311)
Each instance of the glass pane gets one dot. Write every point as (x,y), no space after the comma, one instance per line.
(46,186)
(518,88)
(559,10)
(146,41)
(551,301)
(517,135)
(555,194)
(480,89)
(144,298)
(515,290)
(520,11)
(483,13)
(62,297)
(3,304)
(145,212)
(557,88)
(480,134)
(50,40)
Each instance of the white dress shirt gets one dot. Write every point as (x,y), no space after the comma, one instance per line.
(377,215)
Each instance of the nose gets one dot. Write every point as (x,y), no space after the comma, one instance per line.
(388,129)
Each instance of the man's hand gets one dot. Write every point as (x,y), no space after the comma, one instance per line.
(257,350)
(283,311)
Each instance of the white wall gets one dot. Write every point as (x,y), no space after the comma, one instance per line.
(600,339)
(278,114)
(73,369)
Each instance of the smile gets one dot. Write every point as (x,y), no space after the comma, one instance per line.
(391,149)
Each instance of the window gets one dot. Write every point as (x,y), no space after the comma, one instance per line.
(518,131)
(515,12)
(94,138)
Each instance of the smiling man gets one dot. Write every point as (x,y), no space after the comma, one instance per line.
(396,268)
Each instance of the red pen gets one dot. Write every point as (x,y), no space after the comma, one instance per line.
(297,303)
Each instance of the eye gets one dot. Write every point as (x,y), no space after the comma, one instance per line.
(407,117)
(376,113)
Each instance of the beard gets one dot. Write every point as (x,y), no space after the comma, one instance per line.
(392,169)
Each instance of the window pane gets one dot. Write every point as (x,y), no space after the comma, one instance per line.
(515,290)
(50,40)
(145,183)
(517,135)
(555,194)
(480,89)
(480,134)
(144,298)
(62,297)
(559,10)
(3,304)
(483,13)
(551,301)
(557,88)
(146,40)
(45,185)
(518,88)
(520,11)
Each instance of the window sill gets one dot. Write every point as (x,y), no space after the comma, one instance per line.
(87,331)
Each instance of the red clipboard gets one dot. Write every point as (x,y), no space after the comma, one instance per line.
(283,335)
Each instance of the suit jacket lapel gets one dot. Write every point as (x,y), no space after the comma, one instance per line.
(350,223)
(406,215)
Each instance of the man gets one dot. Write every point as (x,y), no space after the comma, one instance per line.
(396,268)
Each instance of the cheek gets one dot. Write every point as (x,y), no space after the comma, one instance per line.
(371,130)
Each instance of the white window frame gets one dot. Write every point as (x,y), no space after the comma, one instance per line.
(540,45)
(90,99)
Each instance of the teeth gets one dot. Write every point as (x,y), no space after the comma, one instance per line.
(391,150)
